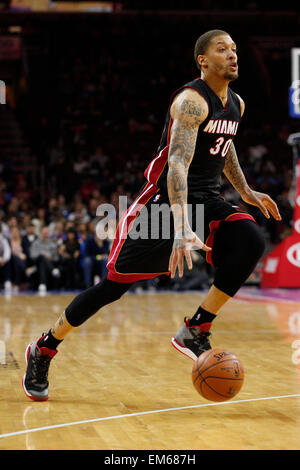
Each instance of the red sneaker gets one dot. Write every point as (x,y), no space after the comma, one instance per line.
(35,380)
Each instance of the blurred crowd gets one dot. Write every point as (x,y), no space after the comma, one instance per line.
(51,251)
(93,118)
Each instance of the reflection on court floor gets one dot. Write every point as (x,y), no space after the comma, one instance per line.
(117,383)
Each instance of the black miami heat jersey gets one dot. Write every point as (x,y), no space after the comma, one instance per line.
(214,137)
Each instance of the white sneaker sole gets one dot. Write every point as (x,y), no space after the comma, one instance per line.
(187,352)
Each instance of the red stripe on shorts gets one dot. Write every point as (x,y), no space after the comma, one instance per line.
(121,234)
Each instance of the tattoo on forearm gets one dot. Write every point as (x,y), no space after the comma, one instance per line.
(182,145)
(181,151)
(179,183)
(233,171)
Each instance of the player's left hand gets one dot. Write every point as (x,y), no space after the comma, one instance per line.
(264,202)
(182,248)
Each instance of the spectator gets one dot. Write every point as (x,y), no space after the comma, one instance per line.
(21,189)
(27,241)
(12,222)
(13,208)
(56,231)
(40,219)
(70,252)
(99,158)
(80,213)
(4,228)
(5,257)
(53,211)
(61,202)
(87,188)
(95,258)
(82,232)
(81,165)
(18,258)
(44,253)
(24,222)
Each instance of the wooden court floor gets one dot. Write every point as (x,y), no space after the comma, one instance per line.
(118,384)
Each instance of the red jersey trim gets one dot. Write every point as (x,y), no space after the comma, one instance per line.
(157,165)
(129,277)
(123,229)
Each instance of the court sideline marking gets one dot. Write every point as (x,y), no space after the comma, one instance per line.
(142,413)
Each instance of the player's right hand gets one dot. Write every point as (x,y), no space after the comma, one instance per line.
(182,247)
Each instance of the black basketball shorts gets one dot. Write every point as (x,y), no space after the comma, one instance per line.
(144,237)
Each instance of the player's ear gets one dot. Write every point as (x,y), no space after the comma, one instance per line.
(202,61)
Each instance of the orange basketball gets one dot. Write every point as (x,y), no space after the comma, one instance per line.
(218,375)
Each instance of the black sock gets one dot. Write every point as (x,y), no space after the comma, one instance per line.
(48,341)
(203,319)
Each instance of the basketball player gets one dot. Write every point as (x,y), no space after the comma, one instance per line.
(195,148)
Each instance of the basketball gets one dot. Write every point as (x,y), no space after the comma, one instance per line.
(218,375)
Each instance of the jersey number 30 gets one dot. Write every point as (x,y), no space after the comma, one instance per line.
(217,148)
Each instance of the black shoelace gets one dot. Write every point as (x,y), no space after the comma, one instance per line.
(40,369)
(201,339)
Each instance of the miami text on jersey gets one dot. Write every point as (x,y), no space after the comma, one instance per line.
(221,126)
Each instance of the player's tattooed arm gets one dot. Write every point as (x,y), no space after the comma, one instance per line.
(235,175)
(232,169)
(188,111)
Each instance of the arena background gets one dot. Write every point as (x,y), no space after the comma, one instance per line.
(86,97)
